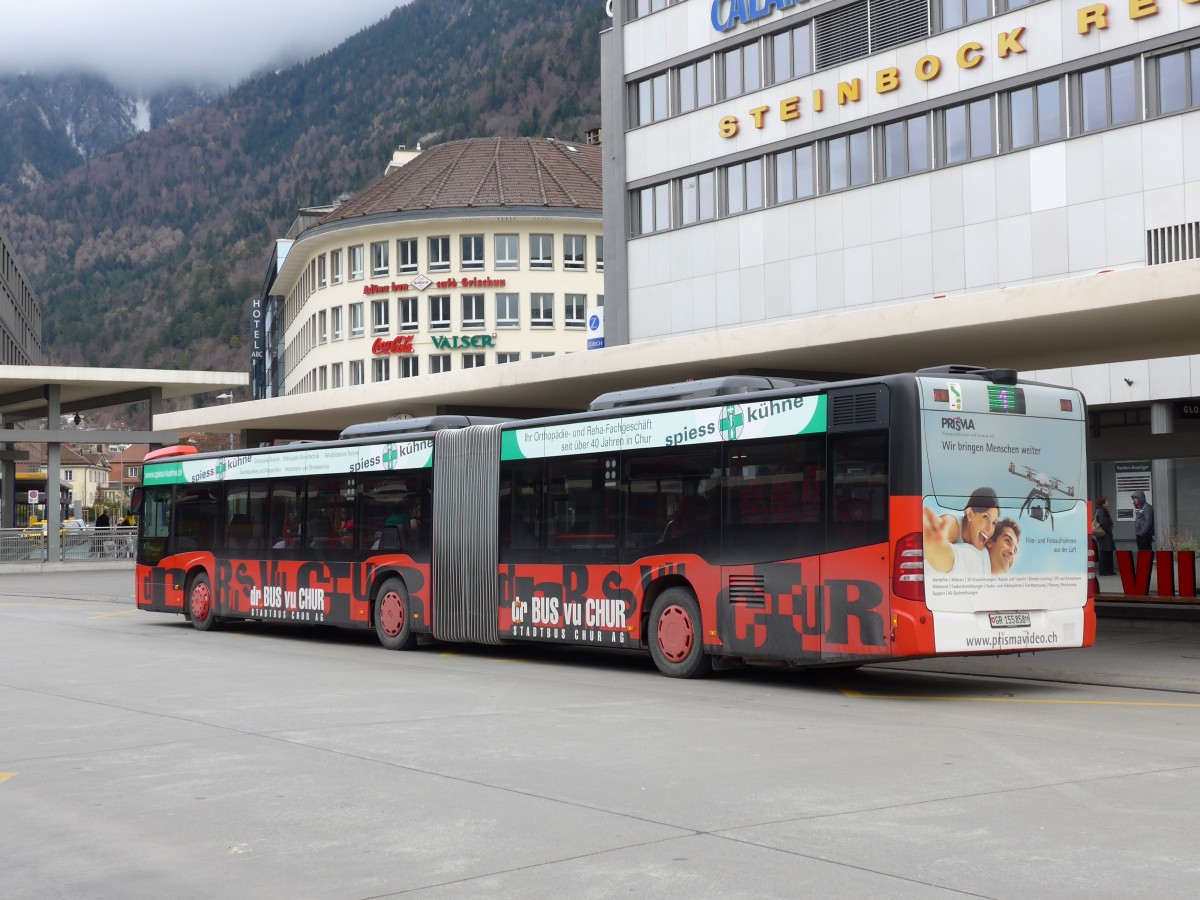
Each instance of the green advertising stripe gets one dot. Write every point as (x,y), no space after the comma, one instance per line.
(778,417)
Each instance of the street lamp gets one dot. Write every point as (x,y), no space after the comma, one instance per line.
(228,395)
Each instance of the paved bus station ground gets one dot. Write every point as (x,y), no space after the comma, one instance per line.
(140,758)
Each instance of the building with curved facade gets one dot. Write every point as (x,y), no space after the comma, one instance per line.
(472,253)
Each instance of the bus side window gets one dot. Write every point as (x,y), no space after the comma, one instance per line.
(197,514)
(859,508)
(774,500)
(521,508)
(672,502)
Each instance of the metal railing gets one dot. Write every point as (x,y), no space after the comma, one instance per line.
(75,544)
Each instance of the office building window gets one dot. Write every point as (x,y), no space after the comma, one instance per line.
(356,372)
(1109,96)
(438,363)
(335,316)
(848,160)
(439,254)
(502,358)
(795,174)
(356,319)
(541,354)
(380,368)
(575,252)
(695,85)
(508,313)
(472,251)
(406,254)
(651,100)
(1178,82)
(742,70)
(379,316)
(409,367)
(322,328)
(321,277)
(323,379)
(473,360)
(698,197)
(575,310)
(356,263)
(508,251)
(791,53)
(744,187)
(472,310)
(439,312)
(956,13)
(653,209)
(600,253)
(335,266)
(541,251)
(335,372)
(379,258)
(409,317)
(1035,115)
(905,146)
(541,310)
(967,131)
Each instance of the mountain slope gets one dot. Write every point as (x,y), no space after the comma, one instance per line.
(52,124)
(148,255)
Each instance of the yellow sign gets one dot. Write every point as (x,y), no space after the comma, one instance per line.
(1094,17)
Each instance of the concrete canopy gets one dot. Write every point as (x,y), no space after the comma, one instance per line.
(1140,313)
(23,388)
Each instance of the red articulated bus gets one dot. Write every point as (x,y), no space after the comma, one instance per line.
(727,520)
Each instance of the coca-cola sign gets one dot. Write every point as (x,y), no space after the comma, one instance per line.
(402,343)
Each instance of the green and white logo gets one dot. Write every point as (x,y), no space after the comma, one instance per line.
(731,422)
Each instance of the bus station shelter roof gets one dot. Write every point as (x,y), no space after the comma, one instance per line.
(1129,314)
(26,393)
(23,388)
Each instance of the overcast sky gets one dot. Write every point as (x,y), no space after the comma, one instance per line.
(148,43)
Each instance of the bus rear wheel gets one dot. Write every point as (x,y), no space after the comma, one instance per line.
(677,636)
(392,623)
(201,605)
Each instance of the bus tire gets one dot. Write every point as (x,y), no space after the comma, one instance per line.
(676,635)
(393,626)
(201,603)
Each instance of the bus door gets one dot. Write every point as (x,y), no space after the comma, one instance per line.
(854,569)
(771,604)
(671,528)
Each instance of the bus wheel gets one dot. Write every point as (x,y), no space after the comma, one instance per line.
(392,624)
(200,604)
(676,635)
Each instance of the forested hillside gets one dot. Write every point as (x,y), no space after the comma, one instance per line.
(148,256)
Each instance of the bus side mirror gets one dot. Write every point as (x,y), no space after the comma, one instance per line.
(135,501)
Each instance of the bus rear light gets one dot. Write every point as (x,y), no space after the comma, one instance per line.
(908,568)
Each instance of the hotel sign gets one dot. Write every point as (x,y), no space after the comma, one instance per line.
(728,14)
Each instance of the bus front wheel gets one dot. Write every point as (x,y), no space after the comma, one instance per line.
(677,636)
(392,624)
(201,603)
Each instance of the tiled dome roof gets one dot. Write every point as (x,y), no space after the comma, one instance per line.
(485,172)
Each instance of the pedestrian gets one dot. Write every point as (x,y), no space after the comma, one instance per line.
(1143,521)
(102,520)
(1102,531)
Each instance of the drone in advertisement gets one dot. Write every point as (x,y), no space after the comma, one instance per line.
(1044,487)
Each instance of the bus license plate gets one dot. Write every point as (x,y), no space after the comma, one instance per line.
(1009,620)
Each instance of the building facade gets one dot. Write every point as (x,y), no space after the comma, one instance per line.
(776,159)
(472,253)
(20,314)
